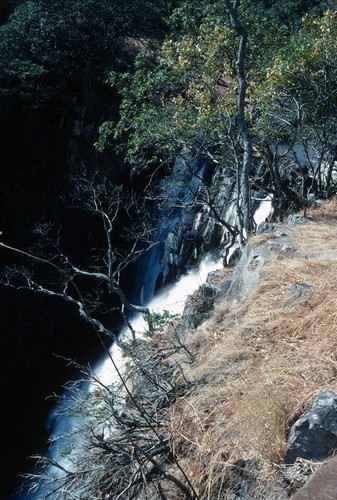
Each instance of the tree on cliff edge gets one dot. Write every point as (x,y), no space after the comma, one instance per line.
(243,170)
(194,98)
(202,94)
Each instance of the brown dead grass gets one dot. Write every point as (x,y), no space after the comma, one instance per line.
(259,365)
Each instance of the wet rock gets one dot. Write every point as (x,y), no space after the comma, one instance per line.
(181,246)
(314,436)
(207,291)
(193,229)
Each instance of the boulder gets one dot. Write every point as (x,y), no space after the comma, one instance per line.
(297,294)
(322,485)
(297,219)
(314,435)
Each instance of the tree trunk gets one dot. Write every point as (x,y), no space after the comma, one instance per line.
(242,123)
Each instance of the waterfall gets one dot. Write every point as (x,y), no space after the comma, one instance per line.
(170,298)
(263,211)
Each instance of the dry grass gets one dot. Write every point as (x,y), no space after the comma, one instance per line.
(261,238)
(261,363)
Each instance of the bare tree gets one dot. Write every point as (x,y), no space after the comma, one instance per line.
(122,447)
(102,272)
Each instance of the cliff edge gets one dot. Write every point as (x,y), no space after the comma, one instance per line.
(259,360)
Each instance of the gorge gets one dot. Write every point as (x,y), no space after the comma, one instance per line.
(133,144)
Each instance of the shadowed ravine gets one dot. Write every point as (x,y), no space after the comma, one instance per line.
(172,299)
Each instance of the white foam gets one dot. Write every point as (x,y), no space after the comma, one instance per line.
(172,299)
(263,211)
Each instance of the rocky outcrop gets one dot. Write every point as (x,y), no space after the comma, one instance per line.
(275,246)
(192,228)
(203,197)
(314,435)
(206,197)
(199,306)
(242,275)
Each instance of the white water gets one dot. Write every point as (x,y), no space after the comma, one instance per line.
(263,211)
(171,298)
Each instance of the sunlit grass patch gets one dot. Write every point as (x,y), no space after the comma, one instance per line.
(259,364)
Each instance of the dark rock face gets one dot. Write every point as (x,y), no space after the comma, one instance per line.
(314,436)
(197,309)
(197,227)
(199,306)
(180,245)
(194,227)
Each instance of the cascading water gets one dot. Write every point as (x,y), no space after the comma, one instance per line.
(172,299)
(179,191)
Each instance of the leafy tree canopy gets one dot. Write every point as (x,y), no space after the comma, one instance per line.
(187,94)
(47,46)
(301,82)
(298,99)
(291,12)
(306,65)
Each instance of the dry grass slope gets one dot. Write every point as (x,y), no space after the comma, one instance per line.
(260,362)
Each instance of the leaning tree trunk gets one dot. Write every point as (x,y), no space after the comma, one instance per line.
(244,132)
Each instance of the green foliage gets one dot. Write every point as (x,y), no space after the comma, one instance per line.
(157,322)
(265,37)
(188,17)
(168,102)
(306,65)
(104,139)
(49,46)
(301,83)
(291,12)
(297,102)
(186,96)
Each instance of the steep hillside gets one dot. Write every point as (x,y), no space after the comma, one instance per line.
(260,359)
(136,137)
(206,404)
